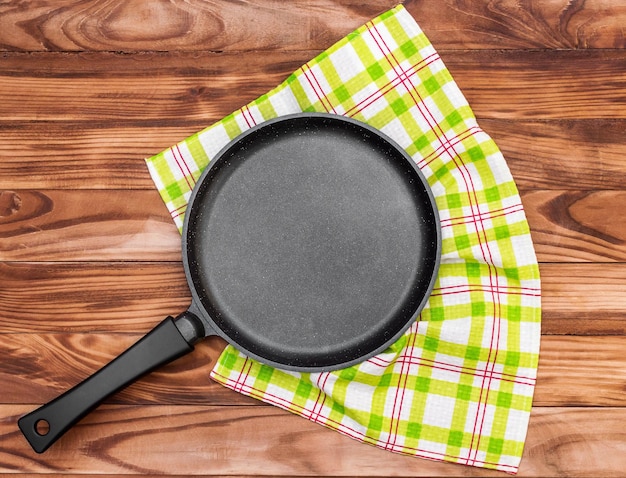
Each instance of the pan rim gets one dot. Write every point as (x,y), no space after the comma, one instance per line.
(197,306)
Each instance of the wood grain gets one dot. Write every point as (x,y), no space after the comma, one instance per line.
(218,440)
(133,297)
(262,24)
(42,366)
(190,25)
(89,225)
(583,299)
(562,154)
(570,226)
(195,440)
(84,155)
(206,86)
(573,371)
(90,260)
(581,371)
(149,87)
(454,24)
(526,85)
(118,297)
(553,154)
(95,225)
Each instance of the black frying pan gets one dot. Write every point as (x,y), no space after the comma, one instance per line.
(310,243)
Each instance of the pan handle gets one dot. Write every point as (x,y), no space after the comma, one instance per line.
(168,341)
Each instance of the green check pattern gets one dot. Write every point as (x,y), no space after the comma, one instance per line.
(458,386)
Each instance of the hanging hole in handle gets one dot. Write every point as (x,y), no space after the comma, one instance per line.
(42,427)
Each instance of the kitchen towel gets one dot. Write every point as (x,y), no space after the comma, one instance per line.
(458,386)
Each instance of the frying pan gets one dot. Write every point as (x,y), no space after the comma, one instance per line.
(310,243)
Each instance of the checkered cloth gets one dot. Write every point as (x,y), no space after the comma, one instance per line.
(458,386)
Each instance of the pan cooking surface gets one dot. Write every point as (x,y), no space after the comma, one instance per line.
(311,242)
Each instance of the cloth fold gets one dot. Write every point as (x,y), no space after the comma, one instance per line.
(458,385)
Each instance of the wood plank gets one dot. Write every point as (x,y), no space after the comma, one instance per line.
(203,440)
(562,154)
(553,154)
(196,25)
(96,225)
(84,155)
(573,371)
(541,85)
(87,225)
(209,440)
(42,366)
(191,25)
(573,225)
(581,371)
(521,25)
(154,87)
(162,87)
(122,297)
(574,441)
(119,297)
(584,299)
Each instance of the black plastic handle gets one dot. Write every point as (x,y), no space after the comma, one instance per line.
(163,344)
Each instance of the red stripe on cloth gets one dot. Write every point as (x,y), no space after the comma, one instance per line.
(498,289)
(491,214)
(243,114)
(317,412)
(413,360)
(395,64)
(321,95)
(448,144)
(178,211)
(243,375)
(185,164)
(406,81)
(489,375)
(179,162)
(489,289)
(421,361)
(379,362)
(401,390)
(383,90)
(247,116)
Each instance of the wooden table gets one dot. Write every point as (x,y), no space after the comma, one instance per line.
(90,260)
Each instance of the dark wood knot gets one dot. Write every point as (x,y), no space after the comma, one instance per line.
(10,203)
